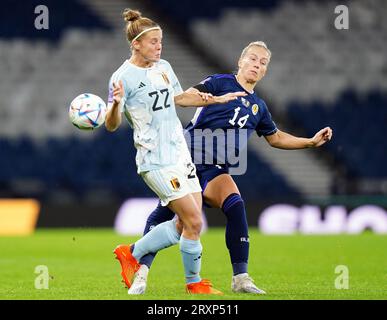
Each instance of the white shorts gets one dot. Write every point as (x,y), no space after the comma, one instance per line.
(173,182)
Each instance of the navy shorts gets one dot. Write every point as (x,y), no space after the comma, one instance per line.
(207,172)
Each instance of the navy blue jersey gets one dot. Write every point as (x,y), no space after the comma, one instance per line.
(215,128)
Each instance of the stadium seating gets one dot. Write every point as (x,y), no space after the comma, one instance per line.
(359,123)
(17,19)
(106,162)
(313,81)
(318,75)
(310,58)
(64,163)
(261,182)
(186,11)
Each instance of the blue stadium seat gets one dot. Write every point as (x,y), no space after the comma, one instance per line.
(359,125)
(107,161)
(17,19)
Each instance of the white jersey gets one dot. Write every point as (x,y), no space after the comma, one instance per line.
(149,107)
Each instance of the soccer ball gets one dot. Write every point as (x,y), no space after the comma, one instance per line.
(87,111)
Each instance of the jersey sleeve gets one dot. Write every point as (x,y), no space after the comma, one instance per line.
(266,125)
(210,85)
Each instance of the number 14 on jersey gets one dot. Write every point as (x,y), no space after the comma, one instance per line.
(241,121)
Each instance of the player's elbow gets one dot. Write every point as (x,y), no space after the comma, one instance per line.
(274,143)
(274,140)
(111,127)
(112,122)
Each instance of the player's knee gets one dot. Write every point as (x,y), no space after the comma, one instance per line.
(194,224)
(231,200)
(197,226)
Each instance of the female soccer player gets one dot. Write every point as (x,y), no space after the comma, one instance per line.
(248,113)
(146,89)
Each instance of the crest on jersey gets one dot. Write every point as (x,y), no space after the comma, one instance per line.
(245,102)
(165,77)
(175,184)
(158,78)
(255,109)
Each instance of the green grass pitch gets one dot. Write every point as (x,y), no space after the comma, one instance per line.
(81,265)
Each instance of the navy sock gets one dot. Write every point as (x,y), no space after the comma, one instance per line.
(159,215)
(237,235)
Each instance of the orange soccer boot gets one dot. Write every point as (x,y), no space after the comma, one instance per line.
(129,264)
(202,287)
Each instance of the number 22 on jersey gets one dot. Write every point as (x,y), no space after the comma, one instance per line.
(155,95)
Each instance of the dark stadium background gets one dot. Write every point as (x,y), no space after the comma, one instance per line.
(319,76)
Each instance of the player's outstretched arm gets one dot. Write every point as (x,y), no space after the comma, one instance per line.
(194,98)
(113,116)
(283,140)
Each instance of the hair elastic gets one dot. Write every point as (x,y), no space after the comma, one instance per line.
(146,30)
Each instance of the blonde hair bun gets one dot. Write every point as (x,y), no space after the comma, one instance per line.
(131,15)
